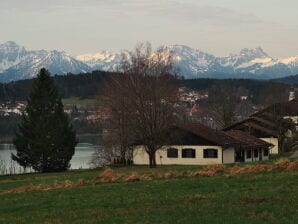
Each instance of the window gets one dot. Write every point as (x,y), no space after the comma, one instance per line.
(172,153)
(210,153)
(266,152)
(248,154)
(256,153)
(188,153)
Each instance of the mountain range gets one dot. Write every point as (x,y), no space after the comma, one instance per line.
(17,63)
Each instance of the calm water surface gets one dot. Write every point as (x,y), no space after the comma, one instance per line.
(80,160)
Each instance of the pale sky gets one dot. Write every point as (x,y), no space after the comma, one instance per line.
(219,27)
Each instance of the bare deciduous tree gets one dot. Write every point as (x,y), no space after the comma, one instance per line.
(142,100)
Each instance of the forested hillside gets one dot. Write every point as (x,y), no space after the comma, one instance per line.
(291,80)
(81,85)
(89,86)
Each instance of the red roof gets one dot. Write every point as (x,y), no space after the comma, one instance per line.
(195,108)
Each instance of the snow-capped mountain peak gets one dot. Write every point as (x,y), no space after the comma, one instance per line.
(289,60)
(10,55)
(253,53)
(18,63)
(103,60)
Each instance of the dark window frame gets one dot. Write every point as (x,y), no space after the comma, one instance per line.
(248,154)
(188,153)
(210,153)
(172,153)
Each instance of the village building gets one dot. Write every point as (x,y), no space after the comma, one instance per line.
(196,144)
(264,125)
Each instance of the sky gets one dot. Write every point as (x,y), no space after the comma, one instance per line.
(219,27)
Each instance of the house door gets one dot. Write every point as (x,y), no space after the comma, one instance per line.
(240,156)
(261,154)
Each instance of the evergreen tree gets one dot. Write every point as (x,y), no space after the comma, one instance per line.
(45,140)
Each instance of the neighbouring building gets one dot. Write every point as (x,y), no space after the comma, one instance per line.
(264,125)
(196,144)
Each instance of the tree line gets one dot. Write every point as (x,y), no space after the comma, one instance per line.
(89,85)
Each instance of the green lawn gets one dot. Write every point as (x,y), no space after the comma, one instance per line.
(79,102)
(270,197)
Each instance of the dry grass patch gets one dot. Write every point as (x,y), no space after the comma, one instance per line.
(292,166)
(249,169)
(109,176)
(281,164)
(46,187)
(210,170)
(136,177)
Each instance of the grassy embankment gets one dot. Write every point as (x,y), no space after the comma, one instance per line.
(175,194)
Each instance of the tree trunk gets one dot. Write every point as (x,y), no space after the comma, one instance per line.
(281,140)
(152,159)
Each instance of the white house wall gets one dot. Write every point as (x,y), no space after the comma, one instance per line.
(140,157)
(229,155)
(273,141)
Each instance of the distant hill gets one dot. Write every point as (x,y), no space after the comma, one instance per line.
(81,85)
(89,85)
(291,80)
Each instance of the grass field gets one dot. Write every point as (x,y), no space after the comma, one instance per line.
(262,197)
(79,102)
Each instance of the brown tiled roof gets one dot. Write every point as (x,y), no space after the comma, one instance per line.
(251,123)
(289,108)
(265,122)
(249,140)
(215,136)
(260,128)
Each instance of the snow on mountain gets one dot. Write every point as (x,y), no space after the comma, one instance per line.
(290,61)
(10,54)
(190,61)
(18,63)
(104,60)
(193,63)
(56,62)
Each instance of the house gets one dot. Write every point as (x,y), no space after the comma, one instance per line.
(254,149)
(196,144)
(263,124)
(260,126)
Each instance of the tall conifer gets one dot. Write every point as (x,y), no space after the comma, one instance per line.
(45,140)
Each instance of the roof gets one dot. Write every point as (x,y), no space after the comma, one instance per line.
(262,123)
(288,108)
(266,122)
(199,134)
(252,123)
(215,136)
(249,140)
(260,128)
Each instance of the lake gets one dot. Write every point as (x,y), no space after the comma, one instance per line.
(80,160)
